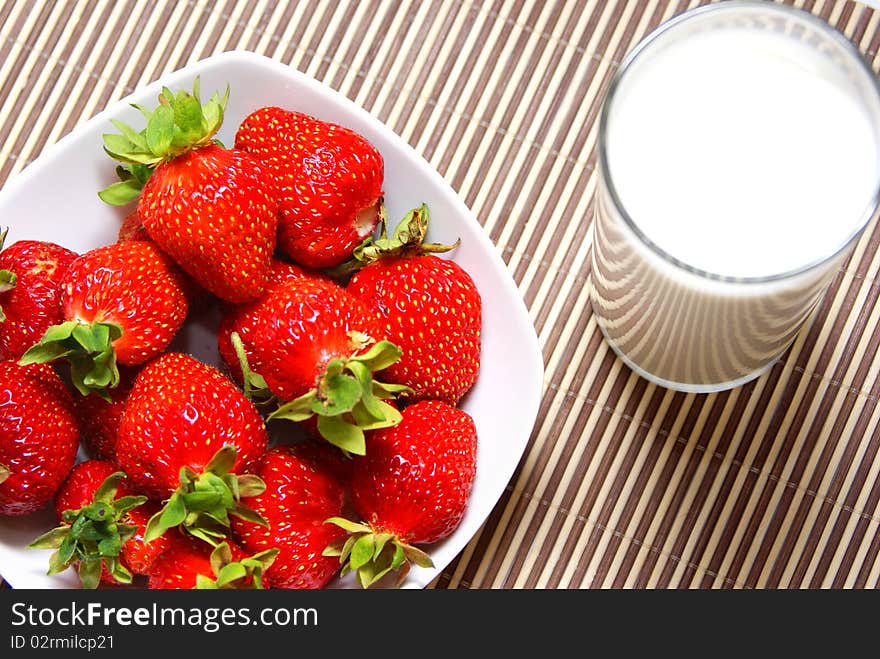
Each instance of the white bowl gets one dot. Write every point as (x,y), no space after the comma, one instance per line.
(55,199)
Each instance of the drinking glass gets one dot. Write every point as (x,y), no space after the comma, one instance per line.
(682,322)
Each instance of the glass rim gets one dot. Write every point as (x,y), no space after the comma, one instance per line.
(601,144)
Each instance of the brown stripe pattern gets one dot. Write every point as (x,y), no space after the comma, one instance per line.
(623,484)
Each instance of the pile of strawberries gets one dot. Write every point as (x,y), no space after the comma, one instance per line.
(356,345)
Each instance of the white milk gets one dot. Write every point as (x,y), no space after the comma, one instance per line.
(735,152)
(742,142)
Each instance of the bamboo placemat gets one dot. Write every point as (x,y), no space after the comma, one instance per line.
(623,484)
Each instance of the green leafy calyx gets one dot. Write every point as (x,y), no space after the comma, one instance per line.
(408,240)
(180,124)
(229,574)
(88,347)
(92,536)
(347,400)
(373,553)
(201,506)
(132,178)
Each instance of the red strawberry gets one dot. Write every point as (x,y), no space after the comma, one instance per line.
(30,292)
(299,496)
(39,437)
(211,209)
(248,320)
(79,490)
(132,228)
(221,229)
(99,418)
(412,487)
(122,302)
(312,344)
(329,181)
(185,428)
(83,481)
(138,555)
(237,315)
(428,306)
(100,527)
(189,564)
(283,271)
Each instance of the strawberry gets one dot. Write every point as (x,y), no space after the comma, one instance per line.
(312,344)
(39,437)
(30,292)
(187,432)
(411,488)
(282,271)
(187,564)
(237,315)
(299,496)
(211,209)
(137,554)
(328,181)
(122,303)
(99,418)
(83,481)
(427,305)
(95,509)
(132,228)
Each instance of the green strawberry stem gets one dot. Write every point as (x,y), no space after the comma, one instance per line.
(347,400)
(255,388)
(246,573)
(93,535)
(181,123)
(372,553)
(88,347)
(7,277)
(408,240)
(201,506)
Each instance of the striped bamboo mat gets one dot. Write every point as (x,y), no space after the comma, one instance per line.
(623,484)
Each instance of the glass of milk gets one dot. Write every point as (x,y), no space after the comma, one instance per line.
(739,162)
